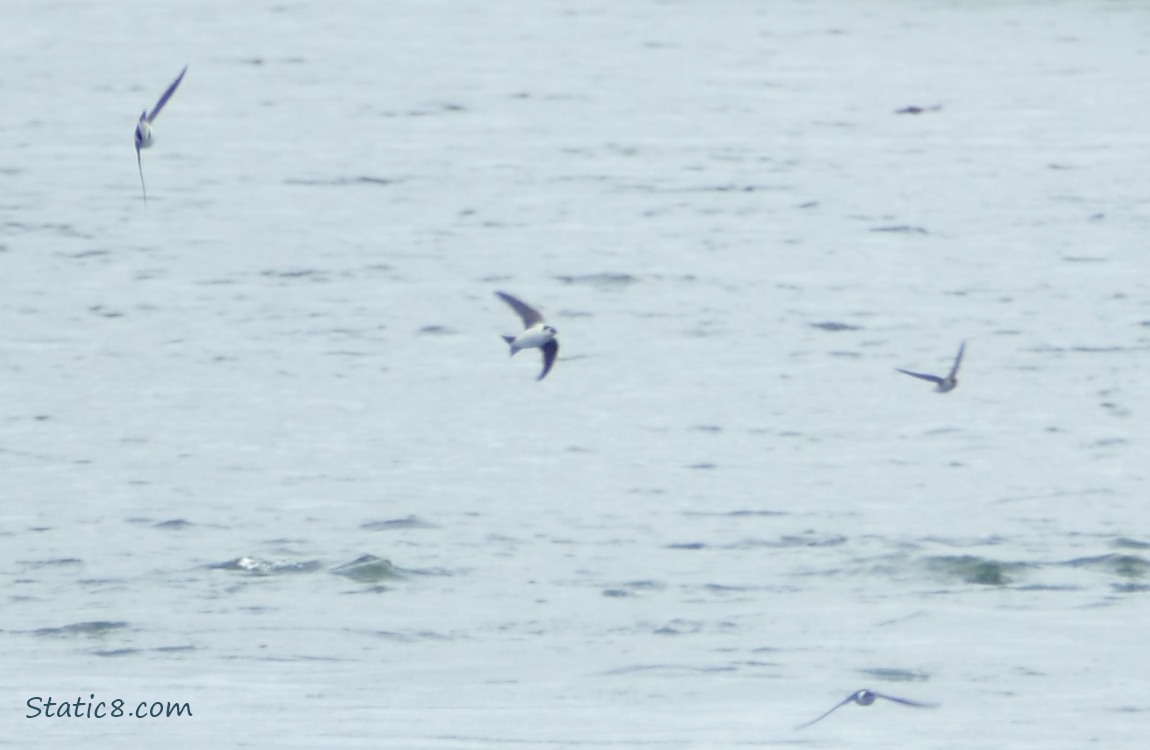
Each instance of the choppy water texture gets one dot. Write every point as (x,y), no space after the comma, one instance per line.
(262,450)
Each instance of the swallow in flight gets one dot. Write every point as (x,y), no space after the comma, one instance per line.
(536,334)
(865,698)
(941,385)
(144,136)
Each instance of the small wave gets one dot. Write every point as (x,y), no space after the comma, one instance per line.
(339,181)
(409,522)
(600,279)
(369,569)
(900,229)
(974,569)
(1123,566)
(174,524)
(61,562)
(118,652)
(834,325)
(256,567)
(893,674)
(93,628)
(633,588)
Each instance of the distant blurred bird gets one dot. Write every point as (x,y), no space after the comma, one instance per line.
(942,385)
(144,137)
(865,698)
(536,335)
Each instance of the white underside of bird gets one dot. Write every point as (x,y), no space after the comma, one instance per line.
(534,337)
(536,334)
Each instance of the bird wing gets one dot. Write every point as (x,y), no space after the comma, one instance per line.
(849,699)
(906,702)
(529,314)
(958,359)
(140,164)
(921,376)
(167,95)
(550,350)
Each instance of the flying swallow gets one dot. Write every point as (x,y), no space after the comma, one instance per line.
(865,698)
(942,385)
(536,333)
(144,137)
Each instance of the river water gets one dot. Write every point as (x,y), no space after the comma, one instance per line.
(263,453)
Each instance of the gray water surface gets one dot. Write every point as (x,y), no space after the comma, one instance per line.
(263,452)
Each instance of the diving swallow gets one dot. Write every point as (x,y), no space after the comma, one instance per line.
(865,698)
(536,333)
(144,137)
(941,385)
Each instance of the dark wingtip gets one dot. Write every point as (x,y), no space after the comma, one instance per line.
(550,351)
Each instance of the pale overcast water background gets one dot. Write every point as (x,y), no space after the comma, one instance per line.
(721,513)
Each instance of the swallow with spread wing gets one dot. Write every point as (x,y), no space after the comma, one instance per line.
(144,136)
(536,334)
(866,698)
(941,385)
